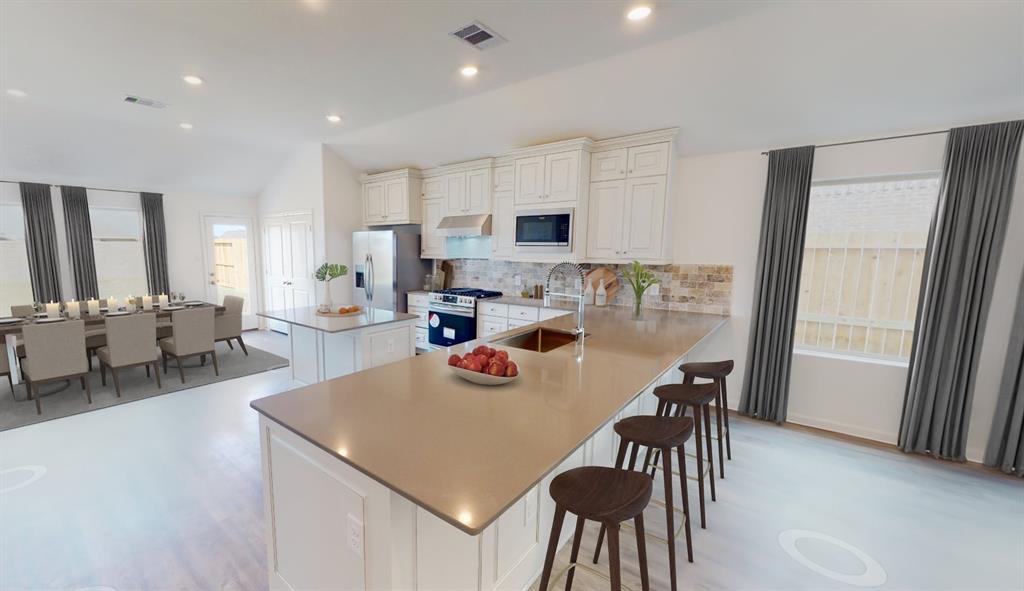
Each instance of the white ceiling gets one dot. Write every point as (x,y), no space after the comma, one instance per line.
(730,75)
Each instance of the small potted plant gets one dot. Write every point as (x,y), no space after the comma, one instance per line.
(639,278)
(325,274)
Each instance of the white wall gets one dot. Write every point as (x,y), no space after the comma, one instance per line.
(299,187)
(717,219)
(343,211)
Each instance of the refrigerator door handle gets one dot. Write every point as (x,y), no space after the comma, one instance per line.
(369,278)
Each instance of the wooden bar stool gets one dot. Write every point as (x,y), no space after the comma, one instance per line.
(672,401)
(605,495)
(664,434)
(716,371)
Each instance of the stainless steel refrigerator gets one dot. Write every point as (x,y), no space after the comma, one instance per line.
(387,267)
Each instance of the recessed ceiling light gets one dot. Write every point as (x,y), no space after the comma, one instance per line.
(16,92)
(185,125)
(639,13)
(469,71)
(192,79)
(334,118)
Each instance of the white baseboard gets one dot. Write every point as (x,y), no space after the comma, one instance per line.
(846,429)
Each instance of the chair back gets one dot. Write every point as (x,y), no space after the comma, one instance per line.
(56,349)
(193,330)
(24,311)
(131,339)
(229,324)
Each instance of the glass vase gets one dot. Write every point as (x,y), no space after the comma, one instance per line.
(638,306)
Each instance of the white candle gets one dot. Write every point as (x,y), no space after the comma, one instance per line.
(74,310)
(129,303)
(163,300)
(147,302)
(52,310)
(94,307)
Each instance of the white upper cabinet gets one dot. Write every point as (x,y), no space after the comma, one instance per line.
(608,166)
(607,205)
(433,188)
(392,198)
(529,180)
(505,178)
(503,224)
(478,192)
(455,192)
(644,225)
(432,242)
(648,160)
(562,176)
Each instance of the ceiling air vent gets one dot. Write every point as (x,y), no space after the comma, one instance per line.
(479,35)
(145,102)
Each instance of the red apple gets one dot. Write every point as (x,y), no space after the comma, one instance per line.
(511,369)
(463,364)
(501,355)
(480,350)
(496,369)
(491,352)
(454,360)
(473,366)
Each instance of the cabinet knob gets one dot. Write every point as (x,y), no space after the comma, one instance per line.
(630,171)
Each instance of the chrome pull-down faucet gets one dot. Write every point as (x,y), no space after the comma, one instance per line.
(548,293)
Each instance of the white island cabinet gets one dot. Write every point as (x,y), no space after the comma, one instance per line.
(325,347)
(407,477)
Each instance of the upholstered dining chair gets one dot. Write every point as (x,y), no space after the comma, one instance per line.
(193,336)
(23,311)
(131,342)
(228,325)
(54,351)
(5,364)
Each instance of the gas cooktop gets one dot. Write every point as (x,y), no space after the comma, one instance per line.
(469,292)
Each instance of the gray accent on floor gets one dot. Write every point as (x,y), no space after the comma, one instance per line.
(60,399)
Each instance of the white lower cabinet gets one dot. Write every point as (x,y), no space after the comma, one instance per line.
(487,326)
(513,323)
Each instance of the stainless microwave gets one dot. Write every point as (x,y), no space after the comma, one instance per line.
(545,227)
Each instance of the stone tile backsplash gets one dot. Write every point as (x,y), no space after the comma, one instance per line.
(693,288)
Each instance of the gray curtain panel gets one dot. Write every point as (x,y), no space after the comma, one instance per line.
(78,228)
(156,242)
(777,284)
(41,242)
(964,244)
(1006,444)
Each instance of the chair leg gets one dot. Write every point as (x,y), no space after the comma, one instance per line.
(670,526)
(230,346)
(241,344)
(103,373)
(613,557)
(88,358)
(721,442)
(82,380)
(641,551)
(165,362)
(34,392)
(10,382)
(681,450)
(88,390)
(700,465)
(575,553)
(549,557)
(216,368)
(202,360)
(181,370)
(148,375)
(156,371)
(725,410)
(711,458)
(117,382)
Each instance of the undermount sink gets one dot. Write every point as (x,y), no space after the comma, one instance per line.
(540,340)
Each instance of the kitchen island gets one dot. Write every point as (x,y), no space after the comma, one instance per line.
(325,347)
(408,477)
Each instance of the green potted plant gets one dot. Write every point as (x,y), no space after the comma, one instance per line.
(639,278)
(325,274)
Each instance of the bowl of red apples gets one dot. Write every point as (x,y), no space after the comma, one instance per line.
(484,365)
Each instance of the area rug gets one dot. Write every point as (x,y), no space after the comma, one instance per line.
(60,399)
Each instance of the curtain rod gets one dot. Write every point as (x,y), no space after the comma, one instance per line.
(93,188)
(877,139)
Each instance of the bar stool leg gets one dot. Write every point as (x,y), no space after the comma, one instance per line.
(707,440)
(613,556)
(549,558)
(575,551)
(700,467)
(619,459)
(641,551)
(725,409)
(670,527)
(721,443)
(681,450)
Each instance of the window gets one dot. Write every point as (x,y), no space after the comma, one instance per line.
(863,257)
(118,246)
(16,287)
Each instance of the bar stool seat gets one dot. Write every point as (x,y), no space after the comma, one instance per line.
(657,432)
(708,370)
(689,394)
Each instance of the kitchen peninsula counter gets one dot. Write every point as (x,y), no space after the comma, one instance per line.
(437,458)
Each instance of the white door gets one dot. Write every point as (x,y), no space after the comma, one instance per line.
(478,191)
(608,166)
(645,217)
(396,200)
(373,202)
(230,260)
(529,180)
(503,223)
(288,264)
(432,243)
(562,172)
(455,193)
(604,229)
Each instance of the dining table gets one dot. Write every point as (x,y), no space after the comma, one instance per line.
(94,325)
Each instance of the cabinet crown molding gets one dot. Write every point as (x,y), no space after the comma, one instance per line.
(401,173)
(636,139)
(582,143)
(458,167)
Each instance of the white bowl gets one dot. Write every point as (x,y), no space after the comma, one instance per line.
(481,378)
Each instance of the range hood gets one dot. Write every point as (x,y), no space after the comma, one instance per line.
(465,225)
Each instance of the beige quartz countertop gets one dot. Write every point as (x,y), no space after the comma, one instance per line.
(308,318)
(466,452)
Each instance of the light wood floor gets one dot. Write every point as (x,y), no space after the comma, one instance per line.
(164,494)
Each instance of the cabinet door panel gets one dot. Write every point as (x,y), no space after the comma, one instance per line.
(455,193)
(529,180)
(503,223)
(433,188)
(561,172)
(608,166)
(396,199)
(645,217)
(648,160)
(505,178)
(373,202)
(478,191)
(432,243)
(604,228)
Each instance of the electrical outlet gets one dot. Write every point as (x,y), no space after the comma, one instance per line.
(519,280)
(355,535)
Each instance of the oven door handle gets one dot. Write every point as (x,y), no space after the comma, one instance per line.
(443,309)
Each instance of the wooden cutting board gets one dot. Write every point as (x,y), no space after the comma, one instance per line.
(449,273)
(611,280)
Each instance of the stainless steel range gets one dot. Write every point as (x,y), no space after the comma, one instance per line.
(452,316)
